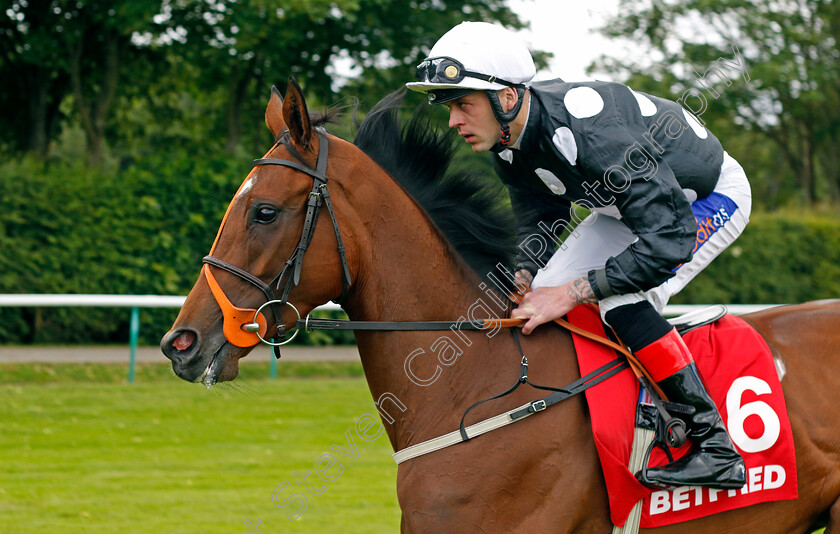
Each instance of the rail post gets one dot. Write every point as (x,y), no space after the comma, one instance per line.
(272,366)
(133,334)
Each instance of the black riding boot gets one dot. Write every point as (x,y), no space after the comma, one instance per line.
(712,460)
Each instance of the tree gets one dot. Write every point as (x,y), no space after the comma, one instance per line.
(244,46)
(115,63)
(98,39)
(790,51)
(61,47)
(30,66)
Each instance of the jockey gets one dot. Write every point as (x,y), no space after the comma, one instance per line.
(663,200)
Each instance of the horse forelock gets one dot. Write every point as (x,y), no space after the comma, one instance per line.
(471,212)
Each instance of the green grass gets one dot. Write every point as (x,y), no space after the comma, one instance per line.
(163,456)
(117,373)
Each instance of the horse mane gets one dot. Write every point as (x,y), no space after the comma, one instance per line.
(470,211)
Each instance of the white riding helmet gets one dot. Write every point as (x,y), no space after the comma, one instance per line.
(477,56)
(474,56)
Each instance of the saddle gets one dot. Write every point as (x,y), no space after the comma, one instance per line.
(687,322)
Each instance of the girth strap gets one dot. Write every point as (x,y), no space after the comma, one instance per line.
(561,394)
(595,377)
(580,385)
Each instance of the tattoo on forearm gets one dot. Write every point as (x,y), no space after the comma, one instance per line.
(581,292)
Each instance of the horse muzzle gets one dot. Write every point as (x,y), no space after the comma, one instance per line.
(200,360)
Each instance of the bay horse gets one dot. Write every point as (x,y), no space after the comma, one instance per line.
(416,242)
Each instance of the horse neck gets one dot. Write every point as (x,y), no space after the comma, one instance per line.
(408,272)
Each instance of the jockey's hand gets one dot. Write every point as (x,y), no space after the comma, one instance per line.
(546,304)
(524,278)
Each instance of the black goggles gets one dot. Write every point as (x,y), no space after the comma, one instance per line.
(448,70)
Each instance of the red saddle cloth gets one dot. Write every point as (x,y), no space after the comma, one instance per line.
(742,379)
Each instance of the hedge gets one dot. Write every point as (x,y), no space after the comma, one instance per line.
(780,258)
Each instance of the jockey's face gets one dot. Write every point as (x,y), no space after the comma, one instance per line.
(473,117)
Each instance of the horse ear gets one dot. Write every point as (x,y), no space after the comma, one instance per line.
(274,113)
(296,115)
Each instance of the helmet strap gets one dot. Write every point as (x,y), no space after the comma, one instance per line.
(505,117)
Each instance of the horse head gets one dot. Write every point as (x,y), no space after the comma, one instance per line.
(271,259)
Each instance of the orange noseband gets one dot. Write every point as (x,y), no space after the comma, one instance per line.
(235,318)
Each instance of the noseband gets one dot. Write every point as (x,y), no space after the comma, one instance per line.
(245,327)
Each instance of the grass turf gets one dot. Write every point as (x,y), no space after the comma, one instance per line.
(117,373)
(164,456)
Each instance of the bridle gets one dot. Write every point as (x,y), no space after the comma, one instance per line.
(245,327)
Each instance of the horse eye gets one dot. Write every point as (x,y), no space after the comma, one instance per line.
(266,214)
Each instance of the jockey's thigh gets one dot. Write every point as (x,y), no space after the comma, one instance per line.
(721,218)
(597,238)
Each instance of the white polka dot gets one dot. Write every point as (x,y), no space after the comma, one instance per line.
(583,102)
(564,140)
(646,105)
(551,181)
(695,125)
(609,211)
(690,195)
(506,155)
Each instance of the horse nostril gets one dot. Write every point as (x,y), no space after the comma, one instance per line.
(179,345)
(184,341)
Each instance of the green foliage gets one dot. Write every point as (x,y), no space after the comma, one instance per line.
(65,228)
(779,259)
(118,58)
(780,118)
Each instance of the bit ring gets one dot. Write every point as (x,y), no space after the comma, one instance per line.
(274,343)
